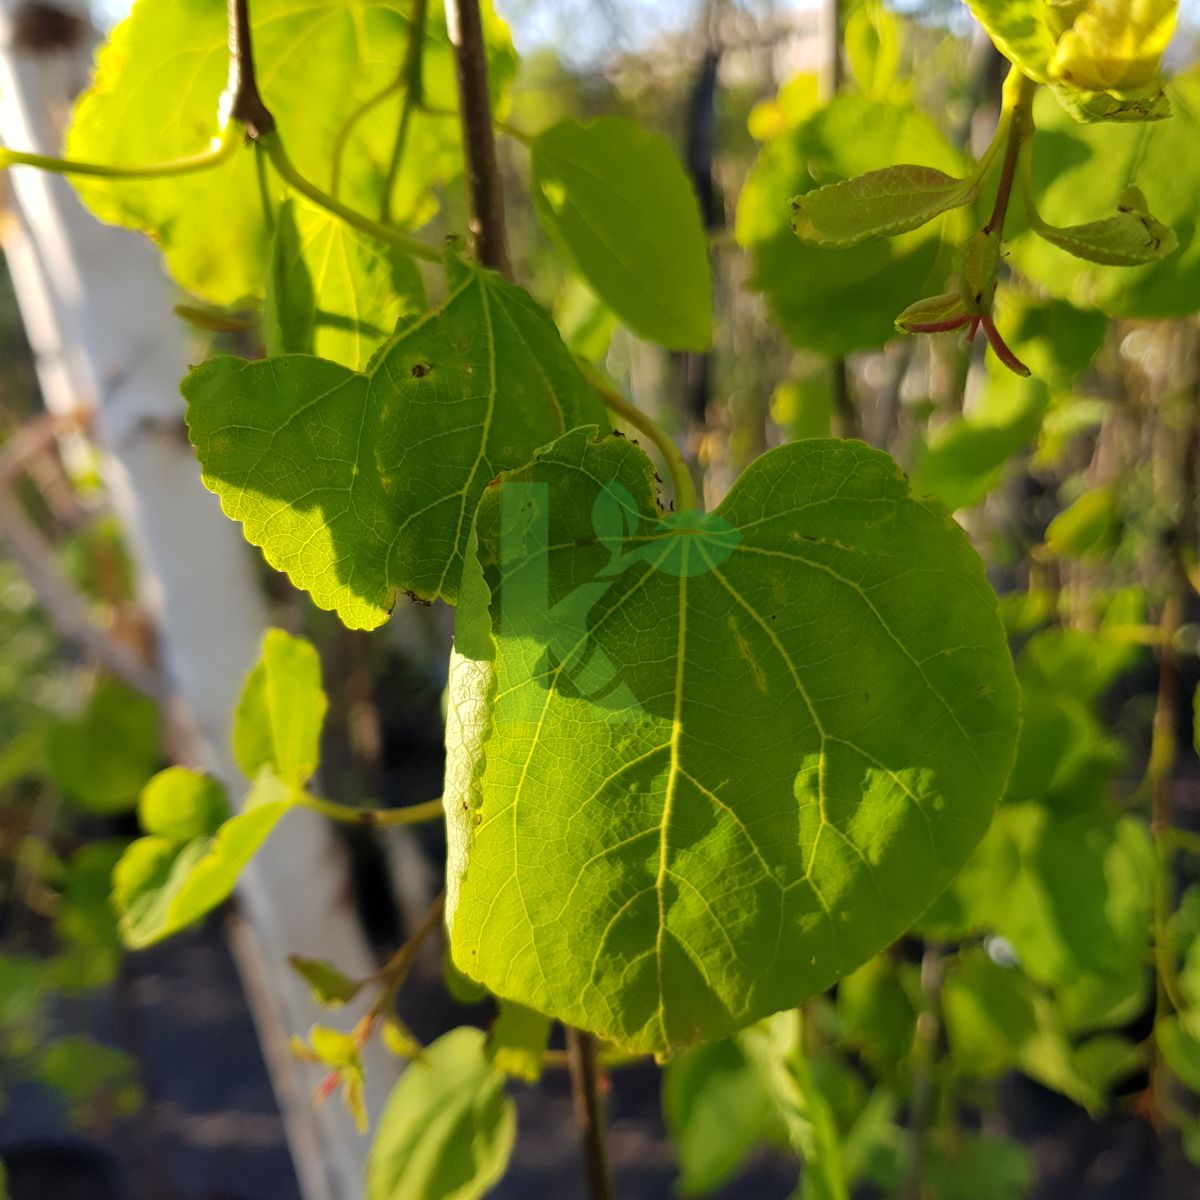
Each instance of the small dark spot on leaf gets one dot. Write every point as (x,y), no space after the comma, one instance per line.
(418,599)
(420,370)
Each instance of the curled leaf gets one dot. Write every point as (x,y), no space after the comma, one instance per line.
(935,314)
(1129,239)
(878,204)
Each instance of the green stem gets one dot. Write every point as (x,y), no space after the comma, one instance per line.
(221,149)
(681,477)
(343,138)
(412,814)
(414,92)
(272,147)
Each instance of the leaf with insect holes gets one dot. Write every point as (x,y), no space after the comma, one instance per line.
(879,204)
(1130,239)
(694,777)
(363,485)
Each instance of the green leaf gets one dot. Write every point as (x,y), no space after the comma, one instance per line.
(1021,32)
(330,987)
(877,1014)
(1087,527)
(182,804)
(94,1078)
(318,64)
(831,300)
(333,291)
(85,921)
(614,199)
(708,774)
(161,886)
(717,1111)
(359,486)
(774,1048)
(280,712)
(102,758)
(448,1128)
(1179,1041)
(874,42)
(22,985)
(964,459)
(1131,238)
(516,1044)
(879,204)
(934,314)
(1079,170)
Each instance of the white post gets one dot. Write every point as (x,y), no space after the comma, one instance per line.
(98,312)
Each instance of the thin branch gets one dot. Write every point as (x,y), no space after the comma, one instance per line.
(246,104)
(67,608)
(485,197)
(589,1113)
(925,1054)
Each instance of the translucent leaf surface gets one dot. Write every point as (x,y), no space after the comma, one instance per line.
(879,204)
(333,291)
(1131,238)
(615,200)
(360,485)
(693,780)
(318,63)
(448,1128)
(278,719)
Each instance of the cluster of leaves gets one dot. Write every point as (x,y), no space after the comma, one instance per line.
(700,768)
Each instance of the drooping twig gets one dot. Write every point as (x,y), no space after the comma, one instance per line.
(485,196)
(925,1060)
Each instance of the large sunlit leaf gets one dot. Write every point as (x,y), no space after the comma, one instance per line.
(700,767)
(833,300)
(318,64)
(615,200)
(362,485)
(1021,30)
(448,1128)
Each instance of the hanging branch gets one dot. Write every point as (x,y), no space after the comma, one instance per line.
(589,1114)
(485,197)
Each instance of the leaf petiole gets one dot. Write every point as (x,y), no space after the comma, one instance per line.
(221,149)
(681,477)
(411,814)
(272,147)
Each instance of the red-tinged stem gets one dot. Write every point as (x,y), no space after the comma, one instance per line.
(939,326)
(974,328)
(1003,353)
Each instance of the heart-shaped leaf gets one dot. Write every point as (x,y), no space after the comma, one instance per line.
(361,485)
(695,779)
(879,204)
(1129,239)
